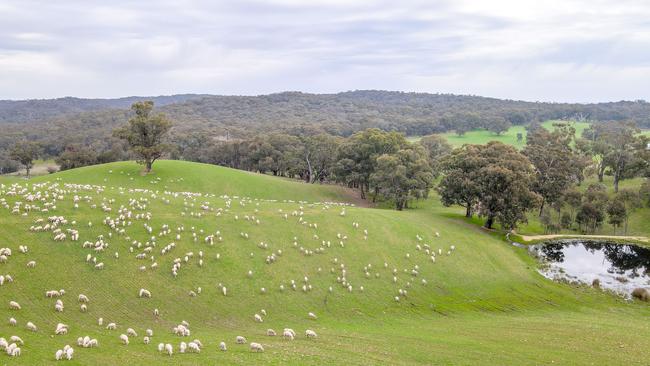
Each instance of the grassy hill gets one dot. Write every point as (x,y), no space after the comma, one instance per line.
(484,303)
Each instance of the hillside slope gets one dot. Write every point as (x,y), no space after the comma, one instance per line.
(481,303)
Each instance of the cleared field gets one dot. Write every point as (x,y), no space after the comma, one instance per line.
(483,303)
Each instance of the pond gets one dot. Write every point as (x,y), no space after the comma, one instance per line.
(618,267)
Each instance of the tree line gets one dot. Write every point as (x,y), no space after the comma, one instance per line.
(494,181)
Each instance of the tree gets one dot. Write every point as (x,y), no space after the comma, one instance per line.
(644,193)
(498,125)
(319,156)
(622,153)
(144,134)
(590,217)
(495,177)
(403,176)
(75,156)
(573,198)
(25,152)
(460,182)
(437,148)
(617,213)
(357,157)
(505,181)
(556,164)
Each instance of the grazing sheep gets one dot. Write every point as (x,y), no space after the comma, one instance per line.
(240,340)
(641,294)
(149,332)
(111,326)
(146,340)
(14,305)
(169,349)
(258,318)
(15,352)
(182,347)
(144,293)
(312,316)
(288,334)
(58,355)
(131,333)
(125,339)
(83,308)
(156,312)
(256,347)
(310,333)
(31,264)
(100,321)
(193,347)
(270,332)
(83,298)
(16,339)
(161,347)
(12,322)
(31,326)
(222,346)
(68,353)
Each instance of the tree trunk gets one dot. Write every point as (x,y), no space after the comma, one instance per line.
(489,222)
(27,171)
(601,173)
(541,207)
(148,164)
(616,179)
(363,193)
(374,197)
(468,211)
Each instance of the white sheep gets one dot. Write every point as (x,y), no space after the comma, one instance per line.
(182,347)
(16,339)
(146,340)
(58,355)
(14,305)
(258,318)
(31,326)
(68,353)
(144,293)
(222,346)
(131,333)
(124,338)
(169,349)
(310,333)
(312,316)
(161,347)
(12,322)
(240,340)
(256,347)
(83,308)
(270,332)
(83,298)
(193,347)
(31,264)
(288,334)
(111,326)
(149,332)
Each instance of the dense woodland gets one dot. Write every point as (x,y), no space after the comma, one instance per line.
(59,123)
(358,140)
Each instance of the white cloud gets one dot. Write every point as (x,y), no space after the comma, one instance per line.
(561,50)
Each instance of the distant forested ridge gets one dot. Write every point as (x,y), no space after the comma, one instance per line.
(57,123)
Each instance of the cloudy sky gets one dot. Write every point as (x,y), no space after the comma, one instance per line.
(550,50)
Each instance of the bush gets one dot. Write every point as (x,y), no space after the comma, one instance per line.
(52,169)
(566,221)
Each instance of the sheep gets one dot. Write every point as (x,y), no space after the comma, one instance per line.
(641,294)
(15,352)
(131,333)
(256,347)
(68,353)
(12,322)
(258,318)
(182,347)
(4,344)
(270,332)
(31,327)
(240,340)
(310,333)
(193,347)
(146,340)
(144,293)
(31,264)
(111,326)
(288,334)
(161,347)
(14,305)
(100,321)
(83,298)
(16,339)
(58,355)
(222,346)
(312,316)
(149,332)
(169,349)
(61,329)
(125,339)
(83,308)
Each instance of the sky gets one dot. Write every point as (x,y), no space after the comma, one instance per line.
(550,50)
